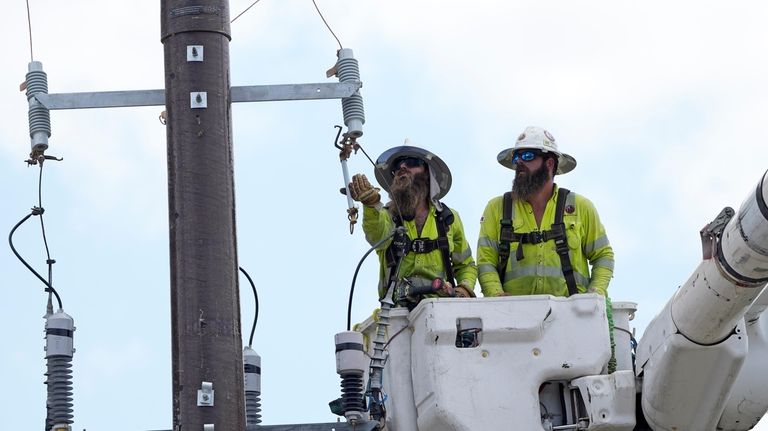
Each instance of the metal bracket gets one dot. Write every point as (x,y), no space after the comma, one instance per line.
(198,99)
(205,395)
(195,53)
(208,427)
(713,230)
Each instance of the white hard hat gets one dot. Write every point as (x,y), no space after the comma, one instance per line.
(536,138)
(439,174)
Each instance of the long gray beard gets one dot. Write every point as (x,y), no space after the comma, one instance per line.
(528,185)
(407,193)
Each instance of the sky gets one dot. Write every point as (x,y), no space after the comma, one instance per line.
(661,103)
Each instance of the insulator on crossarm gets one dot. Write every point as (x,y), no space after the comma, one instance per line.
(59,349)
(348,71)
(252,365)
(39,115)
(350,365)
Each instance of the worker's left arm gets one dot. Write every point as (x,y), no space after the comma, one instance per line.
(464,267)
(597,250)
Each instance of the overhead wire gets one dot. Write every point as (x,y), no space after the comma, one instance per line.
(243,12)
(29,25)
(326,24)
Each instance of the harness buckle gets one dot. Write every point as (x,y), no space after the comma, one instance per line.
(418,246)
(535,237)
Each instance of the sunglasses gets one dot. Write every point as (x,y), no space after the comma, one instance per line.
(409,162)
(525,155)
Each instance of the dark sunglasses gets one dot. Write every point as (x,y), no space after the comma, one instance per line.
(525,155)
(409,162)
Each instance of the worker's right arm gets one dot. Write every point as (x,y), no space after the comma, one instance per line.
(488,249)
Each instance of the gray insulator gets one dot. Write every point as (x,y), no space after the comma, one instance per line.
(252,408)
(351,363)
(39,115)
(348,71)
(59,381)
(252,376)
(59,331)
(352,391)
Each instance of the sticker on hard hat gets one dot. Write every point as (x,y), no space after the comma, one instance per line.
(521,137)
(549,136)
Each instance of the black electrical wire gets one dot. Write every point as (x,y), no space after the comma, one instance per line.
(38,211)
(256,312)
(354,278)
(49,288)
(48,260)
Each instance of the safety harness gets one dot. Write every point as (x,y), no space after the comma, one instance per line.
(557,234)
(404,245)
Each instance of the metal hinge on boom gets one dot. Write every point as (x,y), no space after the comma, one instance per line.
(711,232)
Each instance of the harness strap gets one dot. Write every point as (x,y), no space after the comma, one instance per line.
(425,245)
(506,235)
(445,219)
(556,234)
(561,242)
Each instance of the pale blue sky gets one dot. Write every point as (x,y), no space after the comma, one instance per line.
(663,106)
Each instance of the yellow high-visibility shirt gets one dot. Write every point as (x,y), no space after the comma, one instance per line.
(378,223)
(540,270)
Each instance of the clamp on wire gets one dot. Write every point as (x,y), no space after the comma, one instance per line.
(40,158)
(346,145)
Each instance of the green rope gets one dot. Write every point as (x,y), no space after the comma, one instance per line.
(609,313)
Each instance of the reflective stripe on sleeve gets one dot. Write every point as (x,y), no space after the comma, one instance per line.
(484,241)
(604,262)
(596,245)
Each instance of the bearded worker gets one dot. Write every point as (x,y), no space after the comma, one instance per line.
(434,246)
(540,238)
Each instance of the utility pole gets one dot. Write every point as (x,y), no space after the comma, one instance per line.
(205,311)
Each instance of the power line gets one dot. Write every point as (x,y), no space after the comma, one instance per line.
(29,25)
(246,10)
(326,23)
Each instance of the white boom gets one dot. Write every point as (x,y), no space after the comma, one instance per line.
(692,352)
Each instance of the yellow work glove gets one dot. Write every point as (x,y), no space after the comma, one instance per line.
(362,190)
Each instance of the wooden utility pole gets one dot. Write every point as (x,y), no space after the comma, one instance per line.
(205,311)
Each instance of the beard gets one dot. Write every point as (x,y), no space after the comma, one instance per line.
(529,184)
(407,192)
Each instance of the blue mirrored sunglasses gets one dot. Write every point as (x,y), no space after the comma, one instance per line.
(409,162)
(525,155)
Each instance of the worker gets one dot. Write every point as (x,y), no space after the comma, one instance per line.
(539,238)
(434,246)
